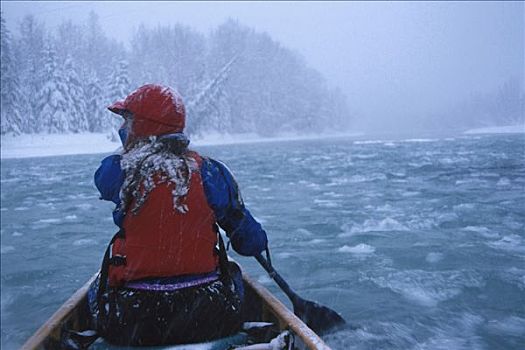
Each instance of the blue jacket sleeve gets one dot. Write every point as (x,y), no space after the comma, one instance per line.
(109,178)
(246,234)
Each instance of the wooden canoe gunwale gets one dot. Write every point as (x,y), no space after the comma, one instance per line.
(287,319)
(52,327)
(271,306)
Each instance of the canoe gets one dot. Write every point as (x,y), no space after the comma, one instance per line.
(260,306)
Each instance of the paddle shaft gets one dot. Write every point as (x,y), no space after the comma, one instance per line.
(277,278)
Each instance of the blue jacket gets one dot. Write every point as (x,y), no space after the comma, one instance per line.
(246,234)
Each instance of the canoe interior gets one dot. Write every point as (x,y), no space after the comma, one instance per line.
(260,306)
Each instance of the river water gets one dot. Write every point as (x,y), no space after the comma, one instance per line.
(419,242)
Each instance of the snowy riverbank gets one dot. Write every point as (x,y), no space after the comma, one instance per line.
(508,129)
(43,145)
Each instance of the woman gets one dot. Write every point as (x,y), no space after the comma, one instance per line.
(164,281)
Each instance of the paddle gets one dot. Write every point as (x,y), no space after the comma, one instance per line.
(319,318)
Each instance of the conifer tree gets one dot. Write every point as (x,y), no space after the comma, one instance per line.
(235,80)
(11,119)
(94,104)
(30,62)
(76,97)
(118,87)
(52,98)
(97,52)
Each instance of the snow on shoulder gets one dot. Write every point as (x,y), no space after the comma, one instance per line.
(508,129)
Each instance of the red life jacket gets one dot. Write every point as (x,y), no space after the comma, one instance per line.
(159,241)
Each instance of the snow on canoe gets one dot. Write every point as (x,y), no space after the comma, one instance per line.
(273,322)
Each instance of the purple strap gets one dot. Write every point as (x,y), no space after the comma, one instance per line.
(171,286)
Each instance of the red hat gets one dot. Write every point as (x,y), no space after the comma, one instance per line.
(157,110)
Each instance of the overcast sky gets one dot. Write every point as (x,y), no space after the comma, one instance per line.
(395,61)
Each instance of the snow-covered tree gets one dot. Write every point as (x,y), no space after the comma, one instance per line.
(70,41)
(117,88)
(30,62)
(10,95)
(339,112)
(270,89)
(502,106)
(509,103)
(98,53)
(173,55)
(143,68)
(95,106)
(234,80)
(227,41)
(208,108)
(76,97)
(52,99)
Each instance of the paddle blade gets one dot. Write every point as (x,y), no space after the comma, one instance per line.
(319,318)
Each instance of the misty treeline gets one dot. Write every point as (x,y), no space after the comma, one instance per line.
(232,79)
(505,105)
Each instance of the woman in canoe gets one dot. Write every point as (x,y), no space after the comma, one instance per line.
(165,278)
